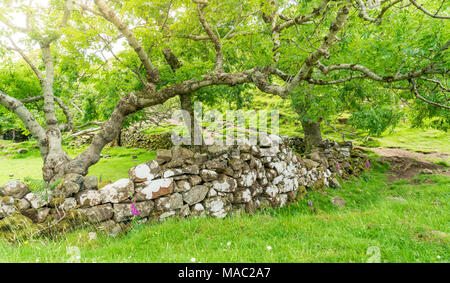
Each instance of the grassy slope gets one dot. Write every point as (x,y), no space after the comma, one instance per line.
(402,230)
(425,140)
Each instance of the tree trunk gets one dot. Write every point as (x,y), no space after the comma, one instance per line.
(55,166)
(313,135)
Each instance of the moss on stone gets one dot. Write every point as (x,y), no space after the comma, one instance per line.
(104,184)
(56,202)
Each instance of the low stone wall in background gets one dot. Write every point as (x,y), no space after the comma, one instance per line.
(219,182)
(131,137)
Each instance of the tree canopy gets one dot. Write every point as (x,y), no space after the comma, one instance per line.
(108,60)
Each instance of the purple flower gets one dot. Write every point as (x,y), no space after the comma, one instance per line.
(310,203)
(367,163)
(337,165)
(134,210)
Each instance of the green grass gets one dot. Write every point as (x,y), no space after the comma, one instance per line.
(424,140)
(30,164)
(401,230)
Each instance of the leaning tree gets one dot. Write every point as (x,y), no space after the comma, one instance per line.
(180,47)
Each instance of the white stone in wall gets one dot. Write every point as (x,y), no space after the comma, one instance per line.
(183,186)
(117,191)
(23,204)
(269,152)
(196,194)
(198,209)
(290,170)
(154,166)
(68,204)
(142,173)
(167,214)
(243,196)
(216,207)
(271,191)
(154,189)
(172,172)
(89,198)
(263,181)
(212,193)
(282,200)
(280,167)
(277,140)
(303,171)
(286,186)
(226,184)
(6,206)
(247,180)
(38,199)
(277,179)
(14,188)
(208,175)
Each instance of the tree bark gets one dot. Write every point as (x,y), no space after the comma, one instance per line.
(313,135)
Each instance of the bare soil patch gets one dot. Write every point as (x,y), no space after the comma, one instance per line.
(406,164)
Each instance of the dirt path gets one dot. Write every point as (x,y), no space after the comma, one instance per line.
(406,164)
(401,152)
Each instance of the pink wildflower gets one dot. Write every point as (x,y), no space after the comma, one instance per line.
(367,163)
(310,203)
(134,210)
(337,165)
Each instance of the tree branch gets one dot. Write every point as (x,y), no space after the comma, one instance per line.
(152,74)
(328,41)
(416,93)
(63,127)
(217,45)
(17,107)
(303,18)
(421,8)
(27,60)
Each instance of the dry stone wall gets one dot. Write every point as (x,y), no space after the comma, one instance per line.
(219,182)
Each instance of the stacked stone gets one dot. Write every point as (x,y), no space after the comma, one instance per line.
(218,182)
